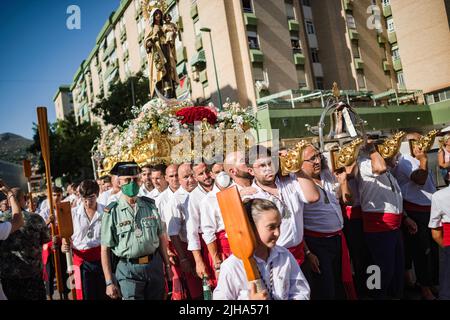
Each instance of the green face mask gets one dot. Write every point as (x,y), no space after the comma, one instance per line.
(130,189)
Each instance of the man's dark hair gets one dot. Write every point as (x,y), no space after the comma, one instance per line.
(147,166)
(106,179)
(160,168)
(88,188)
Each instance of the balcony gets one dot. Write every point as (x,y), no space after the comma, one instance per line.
(294,25)
(109,50)
(123,34)
(198,42)
(381,39)
(180,23)
(181,55)
(387,11)
(359,64)
(256,56)
(392,37)
(348,5)
(138,13)
(397,64)
(126,54)
(299,59)
(386,66)
(110,69)
(203,76)
(199,60)
(194,11)
(250,19)
(353,34)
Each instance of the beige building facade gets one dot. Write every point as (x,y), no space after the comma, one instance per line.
(63,102)
(262,47)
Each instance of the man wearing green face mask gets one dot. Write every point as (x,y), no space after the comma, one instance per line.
(132,230)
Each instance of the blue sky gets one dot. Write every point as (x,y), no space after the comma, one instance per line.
(39,53)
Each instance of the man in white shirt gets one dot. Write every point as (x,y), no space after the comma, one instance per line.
(205,182)
(146,180)
(440,230)
(6,228)
(85,243)
(113,194)
(177,213)
(417,185)
(158,180)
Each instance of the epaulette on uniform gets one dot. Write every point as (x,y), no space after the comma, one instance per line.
(110,206)
(147,199)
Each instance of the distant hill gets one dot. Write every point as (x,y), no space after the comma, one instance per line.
(13,148)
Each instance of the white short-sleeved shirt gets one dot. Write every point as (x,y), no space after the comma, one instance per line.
(325,215)
(378,193)
(290,202)
(288,281)
(176,212)
(211,220)
(411,191)
(82,227)
(193,226)
(162,201)
(440,208)
(143,192)
(103,197)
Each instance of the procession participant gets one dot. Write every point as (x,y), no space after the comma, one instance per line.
(21,256)
(382,207)
(158,180)
(4,207)
(177,213)
(146,180)
(132,230)
(235,166)
(354,233)
(279,270)
(114,194)
(106,184)
(205,184)
(417,186)
(328,257)
(216,168)
(171,177)
(444,158)
(289,193)
(49,273)
(72,197)
(85,243)
(440,230)
(10,227)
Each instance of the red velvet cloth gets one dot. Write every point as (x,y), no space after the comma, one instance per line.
(298,252)
(381,222)
(347,277)
(80,256)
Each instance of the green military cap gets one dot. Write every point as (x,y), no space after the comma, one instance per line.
(125,169)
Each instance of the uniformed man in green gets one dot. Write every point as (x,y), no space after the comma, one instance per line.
(132,230)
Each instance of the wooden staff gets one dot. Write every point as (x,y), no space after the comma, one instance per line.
(45,150)
(240,234)
(27,173)
(65,225)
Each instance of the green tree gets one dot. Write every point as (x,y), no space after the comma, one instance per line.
(116,108)
(70,148)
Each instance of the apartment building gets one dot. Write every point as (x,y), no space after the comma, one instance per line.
(63,102)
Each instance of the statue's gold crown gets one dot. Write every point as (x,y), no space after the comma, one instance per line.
(347,154)
(391,146)
(425,142)
(292,161)
(149,5)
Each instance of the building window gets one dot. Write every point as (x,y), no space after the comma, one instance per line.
(295,42)
(361,80)
(400,79)
(128,68)
(301,76)
(258,72)
(351,21)
(247,6)
(174,13)
(395,54)
(319,83)
(390,24)
(386,3)
(310,27)
(253,42)
(142,51)
(306,3)
(315,55)
(125,46)
(197,27)
(290,12)
(355,50)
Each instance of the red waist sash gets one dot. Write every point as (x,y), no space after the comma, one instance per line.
(446,230)
(223,246)
(298,252)
(381,222)
(346,276)
(409,206)
(79,257)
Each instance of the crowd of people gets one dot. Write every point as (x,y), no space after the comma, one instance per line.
(157,232)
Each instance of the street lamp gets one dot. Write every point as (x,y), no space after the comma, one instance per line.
(208,30)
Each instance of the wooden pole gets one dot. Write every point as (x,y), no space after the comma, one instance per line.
(27,173)
(45,150)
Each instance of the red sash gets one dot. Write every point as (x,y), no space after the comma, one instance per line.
(298,252)
(409,206)
(351,212)
(223,246)
(346,276)
(381,222)
(79,257)
(446,231)
(207,260)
